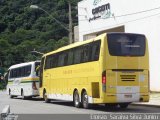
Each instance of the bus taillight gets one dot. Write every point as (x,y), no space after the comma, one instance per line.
(104,80)
(104,77)
(34,86)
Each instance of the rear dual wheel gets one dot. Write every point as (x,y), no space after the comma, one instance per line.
(76,99)
(124,105)
(111,106)
(11,96)
(85,102)
(23,97)
(45,97)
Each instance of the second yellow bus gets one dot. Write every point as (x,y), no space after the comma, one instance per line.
(111,69)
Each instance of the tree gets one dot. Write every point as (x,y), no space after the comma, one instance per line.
(23,29)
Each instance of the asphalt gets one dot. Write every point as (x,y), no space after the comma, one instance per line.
(153,101)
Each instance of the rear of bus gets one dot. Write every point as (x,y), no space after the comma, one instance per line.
(22,80)
(125,78)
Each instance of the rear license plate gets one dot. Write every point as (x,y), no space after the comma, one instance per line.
(128,96)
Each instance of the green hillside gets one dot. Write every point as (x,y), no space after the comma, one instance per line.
(23,29)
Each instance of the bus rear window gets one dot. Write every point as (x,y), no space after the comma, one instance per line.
(120,44)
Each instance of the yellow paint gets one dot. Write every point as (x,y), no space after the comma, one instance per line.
(64,80)
(29,79)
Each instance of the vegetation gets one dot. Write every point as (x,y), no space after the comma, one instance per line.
(23,29)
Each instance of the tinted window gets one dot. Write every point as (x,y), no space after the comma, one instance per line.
(86,53)
(120,44)
(20,72)
(27,70)
(62,59)
(81,54)
(77,55)
(95,51)
(70,57)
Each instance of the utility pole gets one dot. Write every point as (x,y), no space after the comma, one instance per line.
(70,20)
(70,24)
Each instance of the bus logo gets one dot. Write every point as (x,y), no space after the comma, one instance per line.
(103,11)
(95,2)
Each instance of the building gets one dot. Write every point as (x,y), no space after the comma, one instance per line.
(135,16)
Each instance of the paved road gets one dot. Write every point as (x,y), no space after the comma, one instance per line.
(37,106)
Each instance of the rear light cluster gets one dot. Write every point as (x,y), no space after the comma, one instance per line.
(104,81)
(104,77)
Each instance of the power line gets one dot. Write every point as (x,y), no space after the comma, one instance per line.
(144,11)
(138,12)
(129,21)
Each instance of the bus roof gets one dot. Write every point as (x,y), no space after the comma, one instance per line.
(75,45)
(23,64)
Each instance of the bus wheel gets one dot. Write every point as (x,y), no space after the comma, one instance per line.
(11,96)
(76,99)
(123,105)
(85,100)
(45,97)
(22,94)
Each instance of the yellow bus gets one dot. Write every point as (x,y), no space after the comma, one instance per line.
(111,69)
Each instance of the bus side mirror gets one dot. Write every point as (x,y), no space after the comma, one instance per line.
(38,71)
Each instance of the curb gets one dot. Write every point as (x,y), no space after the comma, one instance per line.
(146,105)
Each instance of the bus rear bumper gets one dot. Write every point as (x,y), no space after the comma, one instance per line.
(122,98)
(35,92)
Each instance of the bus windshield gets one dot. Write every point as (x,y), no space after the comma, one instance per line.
(120,44)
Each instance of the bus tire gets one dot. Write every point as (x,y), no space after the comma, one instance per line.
(22,94)
(45,97)
(123,105)
(76,99)
(11,96)
(85,100)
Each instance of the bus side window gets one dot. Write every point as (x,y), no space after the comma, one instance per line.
(46,63)
(60,59)
(77,55)
(86,53)
(65,58)
(95,51)
(14,73)
(27,70)
(51,59)
(55,61)
(23,71)
(70,57)
(49,63)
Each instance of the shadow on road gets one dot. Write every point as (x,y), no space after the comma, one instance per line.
(101,107)
(130,109)
(29,99)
